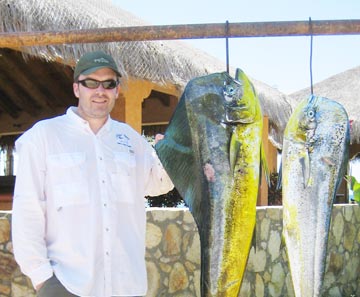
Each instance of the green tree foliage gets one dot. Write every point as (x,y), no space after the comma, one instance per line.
(275,193)
(170,199)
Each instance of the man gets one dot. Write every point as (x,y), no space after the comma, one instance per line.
(78,215)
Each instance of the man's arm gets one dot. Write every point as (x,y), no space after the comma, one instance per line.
(28,216)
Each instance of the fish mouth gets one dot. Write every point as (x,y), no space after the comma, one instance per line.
(239,114)
(237,106)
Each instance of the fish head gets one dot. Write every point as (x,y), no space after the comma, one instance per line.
(302,125)
(318,132)
(241,102)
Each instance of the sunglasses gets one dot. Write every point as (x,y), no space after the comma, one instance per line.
(94,84)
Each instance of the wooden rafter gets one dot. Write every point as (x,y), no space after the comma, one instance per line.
(190,31)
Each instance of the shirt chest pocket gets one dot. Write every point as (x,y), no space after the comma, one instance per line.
(67,179)
(123,180)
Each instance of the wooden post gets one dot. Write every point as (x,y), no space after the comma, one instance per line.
(129,108)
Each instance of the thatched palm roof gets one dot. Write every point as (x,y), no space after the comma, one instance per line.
(148,60)
(163,62)
(343,88)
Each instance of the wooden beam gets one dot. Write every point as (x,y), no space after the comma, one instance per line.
(8,106)
(190,31)
(24,82)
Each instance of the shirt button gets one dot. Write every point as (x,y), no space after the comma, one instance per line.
(105,205)
(107,229)
(100,158)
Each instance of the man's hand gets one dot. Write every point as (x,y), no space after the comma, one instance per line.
(158,137)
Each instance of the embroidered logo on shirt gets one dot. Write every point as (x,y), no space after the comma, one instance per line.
(123,139)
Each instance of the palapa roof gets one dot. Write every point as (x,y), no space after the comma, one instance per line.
(27,84)
(344,88)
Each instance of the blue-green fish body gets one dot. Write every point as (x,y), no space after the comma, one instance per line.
(211,151)
(314,160)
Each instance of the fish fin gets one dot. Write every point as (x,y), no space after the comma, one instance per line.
(197,115)
(283,245)
(177,156)
(279,180)
(264,165)
(305,167)
(282,241)
(233,151)
(253,240)
(329,161)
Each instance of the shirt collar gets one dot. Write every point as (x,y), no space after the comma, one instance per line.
(81,122)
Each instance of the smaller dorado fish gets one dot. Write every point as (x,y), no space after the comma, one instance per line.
(314,161)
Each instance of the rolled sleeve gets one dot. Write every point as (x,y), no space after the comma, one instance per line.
(159,182)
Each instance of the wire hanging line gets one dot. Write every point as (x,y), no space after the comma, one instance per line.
(311,55)
(227,46)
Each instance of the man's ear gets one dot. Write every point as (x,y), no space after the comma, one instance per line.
(76,90)
(117,91)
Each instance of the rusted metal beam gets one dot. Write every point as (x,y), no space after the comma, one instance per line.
(190,31)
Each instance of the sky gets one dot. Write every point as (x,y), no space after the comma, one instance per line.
(281,62)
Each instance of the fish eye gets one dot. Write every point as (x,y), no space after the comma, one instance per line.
(230,90)
(311,113)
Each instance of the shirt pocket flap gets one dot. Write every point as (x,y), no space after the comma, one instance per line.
(67,159)
(125,159)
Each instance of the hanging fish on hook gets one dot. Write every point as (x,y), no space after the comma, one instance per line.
(212,152)
(314,160)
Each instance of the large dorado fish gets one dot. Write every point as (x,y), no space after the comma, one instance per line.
(211,151)
(314,160)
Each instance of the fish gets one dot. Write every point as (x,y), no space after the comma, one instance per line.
(314,160)
(212,151)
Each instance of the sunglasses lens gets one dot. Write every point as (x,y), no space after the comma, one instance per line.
(109,84)
(94,84)
(89,83)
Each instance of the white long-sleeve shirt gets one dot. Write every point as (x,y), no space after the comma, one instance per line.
(79,209)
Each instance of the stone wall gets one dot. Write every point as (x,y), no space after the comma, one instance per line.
(173,256)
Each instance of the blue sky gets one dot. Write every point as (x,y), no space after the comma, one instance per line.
(281,62)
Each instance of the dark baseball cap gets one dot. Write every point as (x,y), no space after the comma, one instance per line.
(93,61)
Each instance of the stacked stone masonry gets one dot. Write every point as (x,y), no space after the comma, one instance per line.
(173,256)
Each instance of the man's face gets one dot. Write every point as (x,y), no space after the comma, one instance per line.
(96,103)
